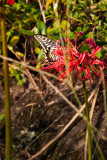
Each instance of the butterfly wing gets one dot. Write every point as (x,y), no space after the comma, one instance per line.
(48,46)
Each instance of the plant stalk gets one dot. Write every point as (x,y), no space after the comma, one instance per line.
(6,82)
(88,124)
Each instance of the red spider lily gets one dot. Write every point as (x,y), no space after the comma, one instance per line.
(70,58)
(11,2)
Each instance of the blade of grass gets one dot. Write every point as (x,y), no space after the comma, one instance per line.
(98,147)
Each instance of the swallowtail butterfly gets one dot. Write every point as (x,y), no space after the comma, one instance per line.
(48,46)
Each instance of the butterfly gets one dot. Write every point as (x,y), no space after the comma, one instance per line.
(48,46)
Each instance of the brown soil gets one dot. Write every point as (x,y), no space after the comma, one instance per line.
(33,115)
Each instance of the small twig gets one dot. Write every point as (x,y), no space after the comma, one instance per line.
(25,50)
(30,104)
(61,94)
(27,1)
(34,83)
(56,13)
(91,115)
(15,53)
(41,8)
(28,66)
(57,100)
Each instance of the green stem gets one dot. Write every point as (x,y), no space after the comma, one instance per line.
(105,101)
(6,82)
(88,124)
(98,147)
(74,92)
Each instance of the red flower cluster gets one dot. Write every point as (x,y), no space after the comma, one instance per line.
(71,59)
(11,2)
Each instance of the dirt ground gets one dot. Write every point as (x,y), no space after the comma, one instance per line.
(38,115)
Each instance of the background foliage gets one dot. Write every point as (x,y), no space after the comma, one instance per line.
(60,18)
(54,19)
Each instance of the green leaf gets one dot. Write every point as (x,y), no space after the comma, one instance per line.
(85,28)
(65,24)
(19,78)
(89,35)
(1,116)
(51,31)
(36,30)
(71,35)
(17,6)
(37,50)
(14,40)
(56,24)
(98,54)
(21,81)
(41,27)
(84,48)
(27,32)
(40,55)
(36,17)
(48,2)
(55,7)
(98,27)
(20,26)
(79,29)
(63,1)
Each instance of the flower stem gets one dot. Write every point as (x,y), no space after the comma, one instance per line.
(6,82)
(88,124)
(105,101)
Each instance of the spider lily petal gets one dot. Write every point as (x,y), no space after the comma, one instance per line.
(96,50)
(91,43)
(11,2)
(75,40)
(72,59)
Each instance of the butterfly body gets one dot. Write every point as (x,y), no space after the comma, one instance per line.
(48,46)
